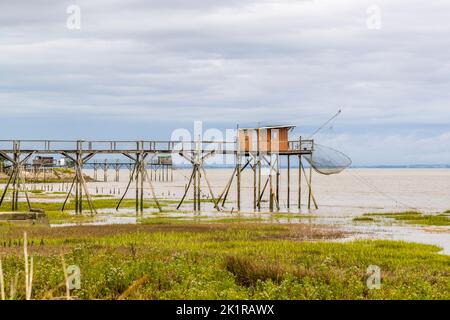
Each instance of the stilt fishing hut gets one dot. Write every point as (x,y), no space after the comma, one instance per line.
(261,148)
(264,139)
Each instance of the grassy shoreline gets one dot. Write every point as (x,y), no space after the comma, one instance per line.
(224,261)
(410,217)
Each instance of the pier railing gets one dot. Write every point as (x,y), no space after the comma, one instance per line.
(124,146)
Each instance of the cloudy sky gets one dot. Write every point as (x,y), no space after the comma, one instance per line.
(139,69)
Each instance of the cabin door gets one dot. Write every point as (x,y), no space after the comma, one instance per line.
(247,142)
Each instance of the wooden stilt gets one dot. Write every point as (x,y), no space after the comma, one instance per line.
(6,188)
(80,178)
(153,193)
(105,171)
(128,186)
(238,179)
(68,194)
(138,170)
(224,193)
(270,185)
(210,189)
(277,195)
(288,182)
(195,186)
(254,181)
(262,192)
(310,187)
(187,189)
(259,182)
(299,182)
(77,189)
(142,176)
(199,195)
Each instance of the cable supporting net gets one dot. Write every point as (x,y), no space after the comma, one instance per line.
(327,160)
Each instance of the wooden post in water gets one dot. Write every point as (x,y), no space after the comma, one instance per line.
(199,198)
(77,189)
(270,185)
(105,171)
(278,181)
(95,170)
(138,169)
(14,201)
(310,187)
(117,171)
(299,182)
(142,174)
(288,181)
(238,179)
(254,180)
(195,186)
(259,181)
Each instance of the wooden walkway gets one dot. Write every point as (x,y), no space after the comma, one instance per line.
(19,152)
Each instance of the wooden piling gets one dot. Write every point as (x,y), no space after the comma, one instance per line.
(238,181)
(137,174)
(310,187)
(195,186)
(254,181)
(259,182)
(288,181)
(198,188)
(278,181)
(270,185)
(142,174)
(299,182)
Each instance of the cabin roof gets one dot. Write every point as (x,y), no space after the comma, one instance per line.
(280,126)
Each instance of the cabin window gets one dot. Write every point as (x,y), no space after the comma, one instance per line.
(275,134)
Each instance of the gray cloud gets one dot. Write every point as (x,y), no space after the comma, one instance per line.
(235,61)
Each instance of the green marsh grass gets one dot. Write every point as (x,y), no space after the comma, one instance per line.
(363,219)
(415,218)
(225,261)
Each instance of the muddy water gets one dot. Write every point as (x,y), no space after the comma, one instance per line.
(340,198)
(352,192)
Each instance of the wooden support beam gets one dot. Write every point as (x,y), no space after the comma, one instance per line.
(142,173)
(153,193)
(270,186)
(128,187)
(194,169)
(138,169)
(259,181)
(187,189)
(198,188)
(68,194)
(277,168)
(299,182)
(288,182)
(263,191)
(224,193)
(254,167)
(238,180)
(310,189)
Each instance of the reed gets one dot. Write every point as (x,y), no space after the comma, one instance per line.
(66,278)
(2,282)
(28,268)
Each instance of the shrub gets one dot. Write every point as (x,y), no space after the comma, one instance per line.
(247,272)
